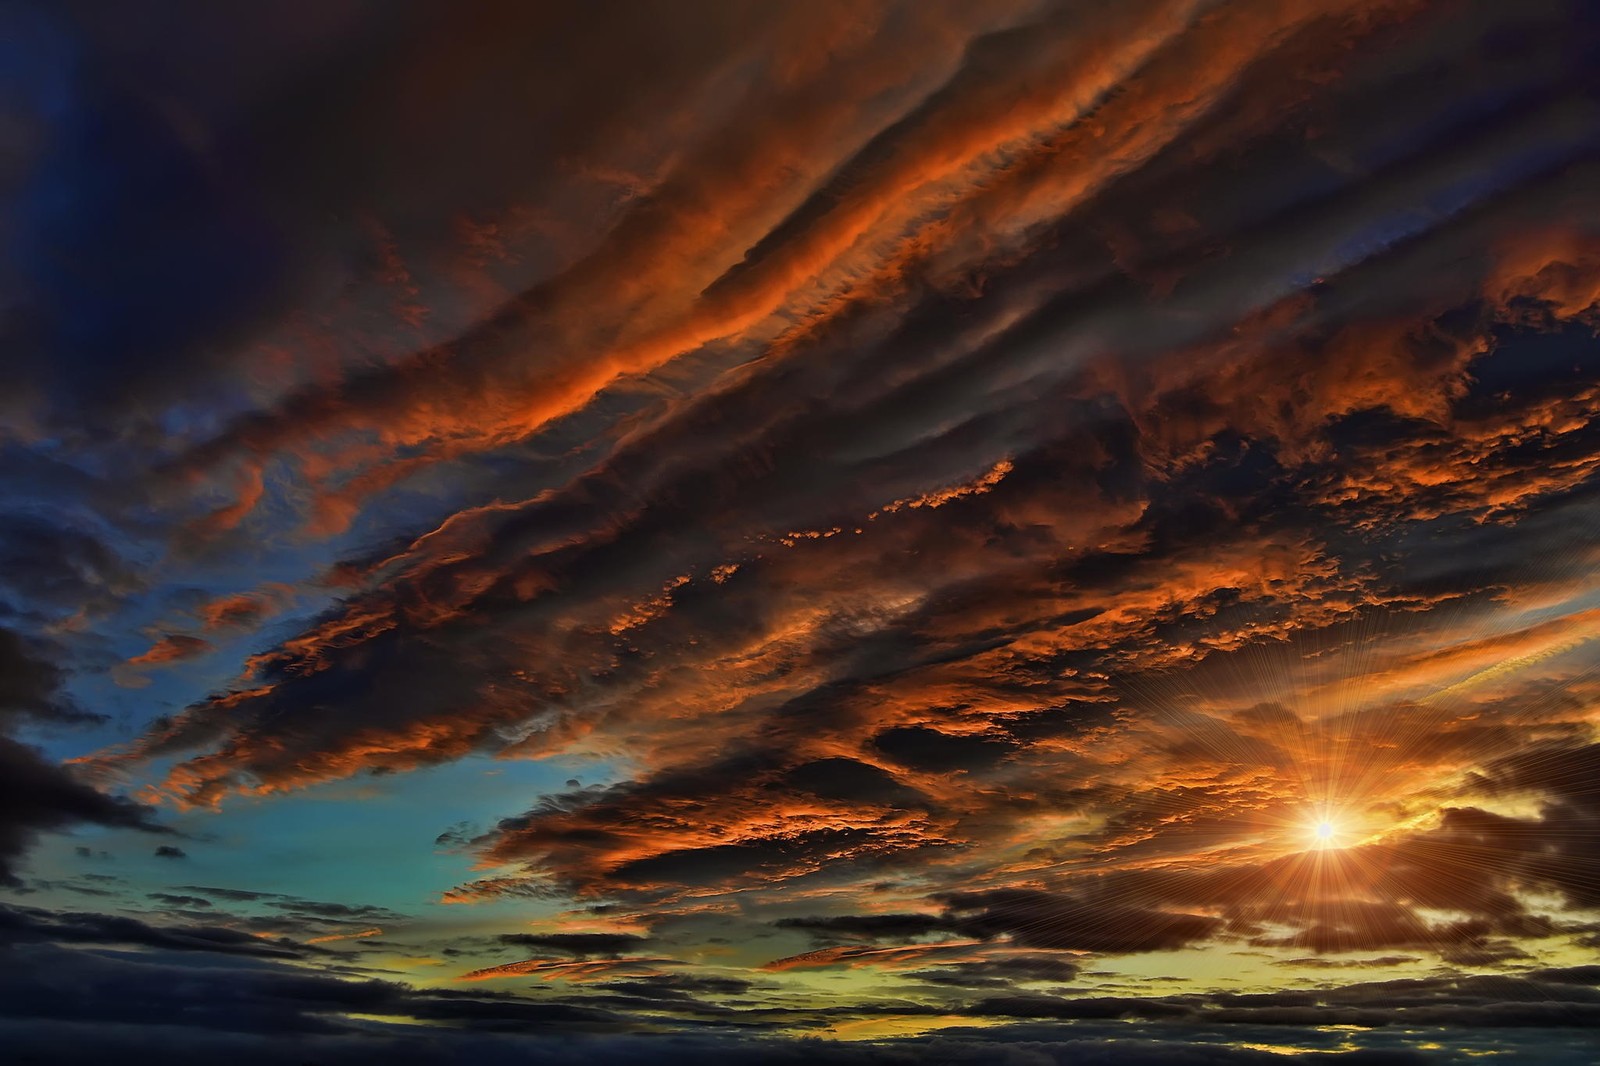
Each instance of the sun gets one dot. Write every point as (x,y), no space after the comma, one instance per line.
(1326,832)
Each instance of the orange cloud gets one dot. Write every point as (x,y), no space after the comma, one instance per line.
(171,648)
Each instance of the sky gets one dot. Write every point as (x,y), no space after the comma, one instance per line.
(845,531)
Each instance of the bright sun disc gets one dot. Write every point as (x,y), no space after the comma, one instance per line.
(1325,833)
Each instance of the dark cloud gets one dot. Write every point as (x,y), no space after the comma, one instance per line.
(1059,921)
(55,566)
(1027,918)
(1037,1006)
(868,926)
(243,187)
(1003,972)
(928,749)
(678,986)
(38,796)
(30,685)
(1534,1001)
(42,1040)
(238,895)
(285,915)
(25,924)
(259,1008)
(1555,849)
(581,945)
(259,1000)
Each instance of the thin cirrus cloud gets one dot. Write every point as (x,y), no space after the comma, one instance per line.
(942,526)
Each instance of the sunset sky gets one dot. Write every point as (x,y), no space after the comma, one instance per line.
(800,531)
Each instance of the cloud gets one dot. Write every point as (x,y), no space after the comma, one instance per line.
(26,924)
(1042,920)
(1002,972)
(30,684)
(1024,918)
(171,648)
(867,926)
(252,1004)
(52,565)
(580,945)
(968,486)
(37,796)
(250,1009)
